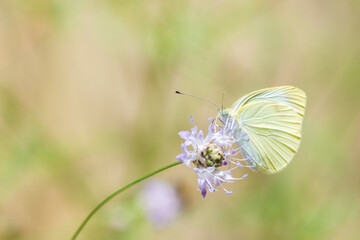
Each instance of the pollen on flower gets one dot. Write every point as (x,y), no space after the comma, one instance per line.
(208,154)
(212,155)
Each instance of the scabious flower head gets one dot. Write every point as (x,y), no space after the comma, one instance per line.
(161,202)
(211,153)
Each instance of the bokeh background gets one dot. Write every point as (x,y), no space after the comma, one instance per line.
(87,104)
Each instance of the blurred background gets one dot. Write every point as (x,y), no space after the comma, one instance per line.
(87,104)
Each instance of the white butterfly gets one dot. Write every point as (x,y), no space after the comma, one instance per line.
(272,119)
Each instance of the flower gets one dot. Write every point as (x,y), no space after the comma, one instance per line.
(209,154)
(161,202)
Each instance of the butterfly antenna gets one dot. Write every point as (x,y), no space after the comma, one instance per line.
(186,94)
(222,101)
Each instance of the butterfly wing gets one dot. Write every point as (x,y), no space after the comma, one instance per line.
(288,95)
(274,132)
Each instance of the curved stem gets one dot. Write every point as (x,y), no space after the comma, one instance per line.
(117,192)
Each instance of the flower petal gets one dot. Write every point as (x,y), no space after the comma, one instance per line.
(210,119)
(203,192)
(181,157)
(184,134)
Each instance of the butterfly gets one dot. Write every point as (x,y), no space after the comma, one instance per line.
(271,118)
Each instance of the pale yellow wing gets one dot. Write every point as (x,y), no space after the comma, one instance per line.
(288,95)
(274,132)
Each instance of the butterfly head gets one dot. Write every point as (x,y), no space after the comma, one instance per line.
(224,114)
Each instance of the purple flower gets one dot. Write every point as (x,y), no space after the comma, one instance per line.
(161,203)
(209,154)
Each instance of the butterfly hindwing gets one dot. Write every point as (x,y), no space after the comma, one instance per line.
(274,132)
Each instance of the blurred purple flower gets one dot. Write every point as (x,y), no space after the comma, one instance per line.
(161,203)
(209,153)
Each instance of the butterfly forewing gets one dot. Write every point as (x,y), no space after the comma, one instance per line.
(288,95)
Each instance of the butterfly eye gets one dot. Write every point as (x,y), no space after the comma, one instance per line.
(225,113)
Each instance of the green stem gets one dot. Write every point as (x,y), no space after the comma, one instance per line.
(117,192)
